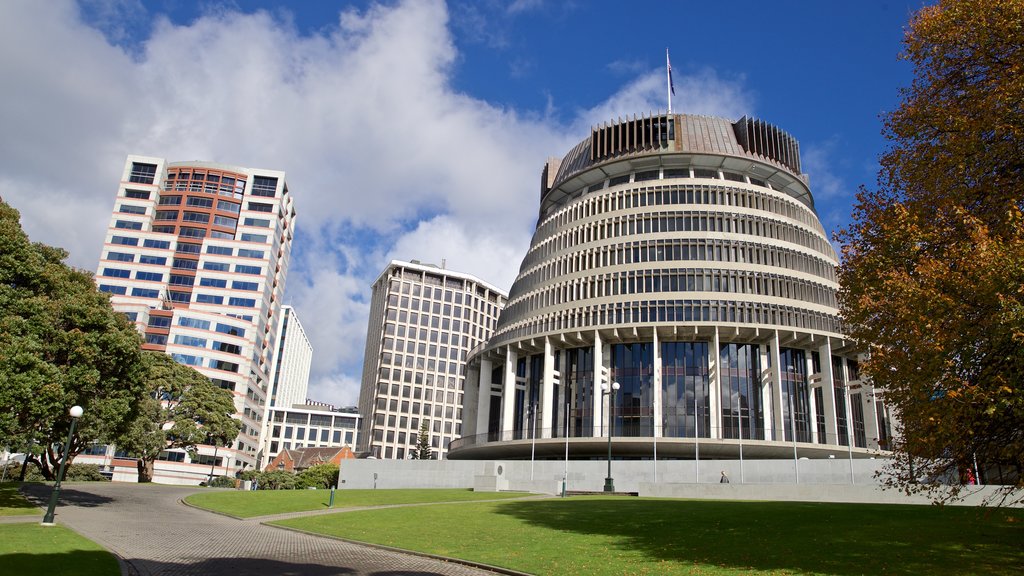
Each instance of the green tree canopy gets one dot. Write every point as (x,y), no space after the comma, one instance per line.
(423,451)
(61,344)
(181,410)
(933,263)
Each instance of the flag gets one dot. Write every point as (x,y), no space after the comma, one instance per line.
(671,85)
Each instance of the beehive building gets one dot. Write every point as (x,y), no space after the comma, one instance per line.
(680,257)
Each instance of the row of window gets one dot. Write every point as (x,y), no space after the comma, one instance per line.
(672,250)
(192,360)
(205,325)
(235,284)
(123,291)
(201,298)
(660,311)
(668,195)
(299,433)
(653,281)
(577,237)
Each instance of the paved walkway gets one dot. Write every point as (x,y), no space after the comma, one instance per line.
(154,534)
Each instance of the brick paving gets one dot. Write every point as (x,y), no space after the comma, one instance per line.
(154,534)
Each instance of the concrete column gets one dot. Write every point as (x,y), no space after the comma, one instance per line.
(849,405)
(778,421)
(828,393)
(547,390)
(599,363)
(715,385)
(656,386)
(508,395)
(483,401)
(812,403)
(870,416)
(767,404)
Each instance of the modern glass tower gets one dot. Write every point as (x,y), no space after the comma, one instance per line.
(196,255)
(681,257)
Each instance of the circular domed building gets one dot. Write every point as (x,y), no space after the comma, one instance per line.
(679,295)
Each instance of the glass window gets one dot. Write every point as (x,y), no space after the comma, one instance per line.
(128,225)
(140,194)
(145,293)
(113,289)
(149,276)
(222,250)
(116,273)
(124,241)
(161,244)
(213,282)
(120,257)
(146,259)
(209,299)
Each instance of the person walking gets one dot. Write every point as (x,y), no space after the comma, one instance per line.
(724,479)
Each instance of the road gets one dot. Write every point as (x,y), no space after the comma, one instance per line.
(154,534)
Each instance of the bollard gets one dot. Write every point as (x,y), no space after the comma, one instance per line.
(331,503)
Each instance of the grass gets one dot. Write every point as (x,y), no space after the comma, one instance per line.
(31,549)
(606,536)
(246,504)
(12,503)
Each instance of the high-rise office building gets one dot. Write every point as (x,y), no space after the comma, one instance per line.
(289,382)
(424,321)
(679,294)
(196,255)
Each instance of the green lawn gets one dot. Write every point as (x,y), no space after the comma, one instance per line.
(12,503)
(30,549)
(601,535)
(246,504)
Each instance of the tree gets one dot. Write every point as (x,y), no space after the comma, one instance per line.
(181,410)
(319,476)
(933,262)
(61,344)
(423,450)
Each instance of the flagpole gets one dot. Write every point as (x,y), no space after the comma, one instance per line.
(668,78)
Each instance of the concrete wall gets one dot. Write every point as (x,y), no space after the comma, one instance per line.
(588,475)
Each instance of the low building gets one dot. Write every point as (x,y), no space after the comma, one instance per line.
(300,459)
(309,426)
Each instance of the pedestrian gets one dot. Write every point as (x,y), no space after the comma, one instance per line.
(724,479)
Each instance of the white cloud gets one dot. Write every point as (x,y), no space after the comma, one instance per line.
(385,159)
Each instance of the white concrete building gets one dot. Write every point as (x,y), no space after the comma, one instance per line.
(423,322)
(290,370)
(196,255)
(305,426)
(681,258)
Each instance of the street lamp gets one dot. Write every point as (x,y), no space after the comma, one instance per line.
(76,413)
(609,484)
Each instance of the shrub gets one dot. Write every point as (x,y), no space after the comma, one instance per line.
(277,480)
(319,476)
(84,473)
(222,482)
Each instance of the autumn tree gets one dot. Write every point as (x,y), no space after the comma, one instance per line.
(423,451)
(182,409)
(933,262)
(61,344)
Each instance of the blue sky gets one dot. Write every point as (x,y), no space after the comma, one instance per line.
(412,129)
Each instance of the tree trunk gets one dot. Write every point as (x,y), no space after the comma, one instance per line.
(145,470)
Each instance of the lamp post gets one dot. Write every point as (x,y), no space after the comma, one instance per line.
(609,484)
(76,413)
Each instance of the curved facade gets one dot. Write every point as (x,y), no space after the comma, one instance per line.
(681,257)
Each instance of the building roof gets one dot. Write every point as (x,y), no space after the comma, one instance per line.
(308,457)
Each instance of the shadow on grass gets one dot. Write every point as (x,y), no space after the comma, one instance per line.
(74,563)
(841,539)
(11,499)
(39,494)
(259,567)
